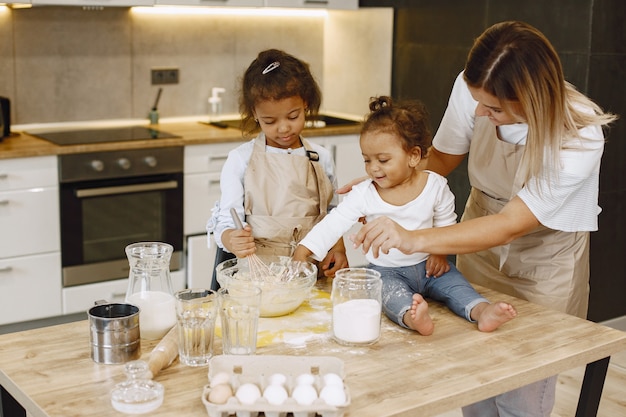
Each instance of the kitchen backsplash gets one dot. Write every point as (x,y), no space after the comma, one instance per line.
(63,64)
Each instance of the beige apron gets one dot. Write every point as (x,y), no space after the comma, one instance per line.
(285,196)
(546,266)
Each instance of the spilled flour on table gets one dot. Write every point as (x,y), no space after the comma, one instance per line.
(311,321)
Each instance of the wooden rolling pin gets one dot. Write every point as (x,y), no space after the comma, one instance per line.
(164,352)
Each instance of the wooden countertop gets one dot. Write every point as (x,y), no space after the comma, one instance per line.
(50,372)
(21,144)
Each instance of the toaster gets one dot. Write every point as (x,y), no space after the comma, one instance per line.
(5,117)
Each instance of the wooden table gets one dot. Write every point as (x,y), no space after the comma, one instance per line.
(50,373)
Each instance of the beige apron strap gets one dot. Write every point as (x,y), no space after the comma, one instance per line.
(323,183)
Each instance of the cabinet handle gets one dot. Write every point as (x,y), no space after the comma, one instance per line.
(4,202)
(212,158)
(6,269)
(118,295)
(315,1)
(213,182)
(4,176)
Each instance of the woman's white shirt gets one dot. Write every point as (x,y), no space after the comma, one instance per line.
(566,199)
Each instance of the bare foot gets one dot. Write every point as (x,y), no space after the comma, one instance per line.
(491,316)
(417,318)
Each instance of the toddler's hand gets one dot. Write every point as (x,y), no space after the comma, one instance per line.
(436,266)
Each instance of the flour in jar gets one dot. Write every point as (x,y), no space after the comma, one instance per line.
(357,321)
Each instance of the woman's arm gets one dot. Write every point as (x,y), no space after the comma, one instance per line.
(481,233)
(442,163)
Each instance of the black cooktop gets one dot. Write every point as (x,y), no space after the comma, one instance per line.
(118,134)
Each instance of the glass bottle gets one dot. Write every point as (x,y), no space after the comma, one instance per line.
(150,287)
(357,304)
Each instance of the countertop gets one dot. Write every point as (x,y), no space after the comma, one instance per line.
(50,372)
(21,144)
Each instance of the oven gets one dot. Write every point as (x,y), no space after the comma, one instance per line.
(111,199)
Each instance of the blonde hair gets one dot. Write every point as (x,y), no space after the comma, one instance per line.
(516,63)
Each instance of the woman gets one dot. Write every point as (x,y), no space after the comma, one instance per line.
(534,146)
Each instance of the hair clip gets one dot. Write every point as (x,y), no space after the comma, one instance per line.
(271,67)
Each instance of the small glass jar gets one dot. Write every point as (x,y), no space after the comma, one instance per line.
(138,394)
(150,287)
(357,305)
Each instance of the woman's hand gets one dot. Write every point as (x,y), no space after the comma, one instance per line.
(344,189)
(436,266)
(382,234)
(239,242)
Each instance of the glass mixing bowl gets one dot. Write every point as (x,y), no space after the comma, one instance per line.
(287,287)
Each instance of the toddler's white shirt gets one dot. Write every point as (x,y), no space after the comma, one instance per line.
(434,207)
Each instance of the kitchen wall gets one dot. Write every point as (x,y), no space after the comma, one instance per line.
(60,64)
(431,41)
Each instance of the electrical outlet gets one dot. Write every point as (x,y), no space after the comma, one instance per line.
(164,76)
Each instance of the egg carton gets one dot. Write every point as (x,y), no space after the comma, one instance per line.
(257,369)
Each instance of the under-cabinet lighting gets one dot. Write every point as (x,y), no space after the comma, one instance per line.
(16,6)
(229,11)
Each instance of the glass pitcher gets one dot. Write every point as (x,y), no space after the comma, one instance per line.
(150,287)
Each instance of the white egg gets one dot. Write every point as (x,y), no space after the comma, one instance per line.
(220,394)
(305,379)
(248,393)
(333,395)
(332,379)
(275,394)
(304,394)
(277,379)
(220,378)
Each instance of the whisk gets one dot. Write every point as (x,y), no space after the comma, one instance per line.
(258,270)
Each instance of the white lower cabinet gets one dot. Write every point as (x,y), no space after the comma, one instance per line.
(200,261)
(30,287)
(30,243)
(203,167)
(82,297)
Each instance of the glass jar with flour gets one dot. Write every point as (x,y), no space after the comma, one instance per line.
(150,287)
(357,303)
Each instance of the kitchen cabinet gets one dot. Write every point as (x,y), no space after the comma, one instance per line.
(328,4)
(203,167)
(30,249)
(112,3)
(200,261)
(221,3)
(324,4)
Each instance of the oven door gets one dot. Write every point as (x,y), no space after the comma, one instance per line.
(100,218)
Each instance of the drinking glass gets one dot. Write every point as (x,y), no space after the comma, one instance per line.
(196,311)
(240,308)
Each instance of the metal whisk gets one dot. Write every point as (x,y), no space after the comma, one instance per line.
(258,270)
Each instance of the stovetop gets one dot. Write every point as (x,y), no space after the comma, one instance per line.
(118,134)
